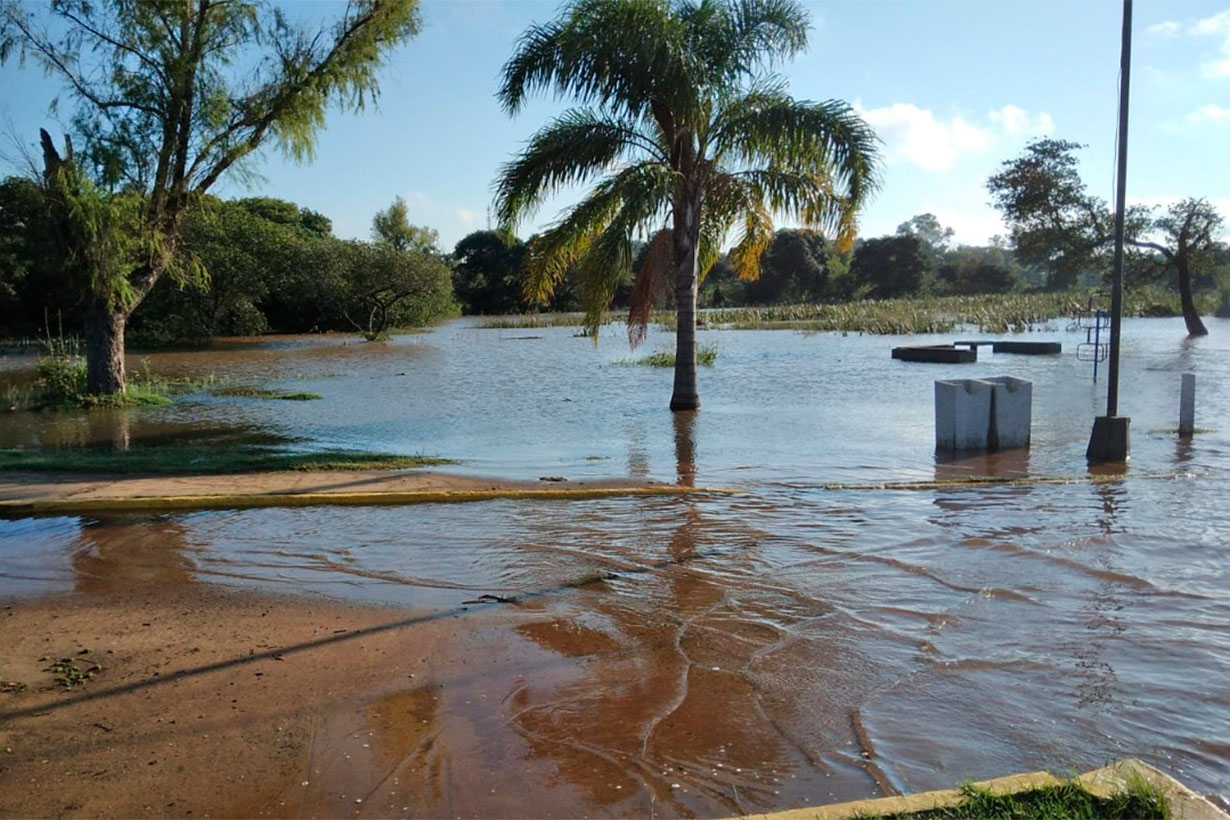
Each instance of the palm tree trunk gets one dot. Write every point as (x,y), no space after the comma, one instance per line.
(104,348)
(686,237)
(1191,316)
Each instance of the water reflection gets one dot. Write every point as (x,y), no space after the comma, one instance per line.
(685,447)
(951,466)
(109,429)
(111,556)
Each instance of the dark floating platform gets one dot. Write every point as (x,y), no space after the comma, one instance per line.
(1028,348)
(1024,348)
(941,354)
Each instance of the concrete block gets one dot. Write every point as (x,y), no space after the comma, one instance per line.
(1187,405)
(962,414)
(1110,442)
(1011,413)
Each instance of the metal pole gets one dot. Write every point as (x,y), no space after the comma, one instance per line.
(1116,295)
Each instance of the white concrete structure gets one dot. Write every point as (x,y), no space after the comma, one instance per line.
(962,414)
(1011,413)
(983,414)
(1187,405)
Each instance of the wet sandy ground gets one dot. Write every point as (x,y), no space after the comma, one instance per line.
(214,704)
(71,487)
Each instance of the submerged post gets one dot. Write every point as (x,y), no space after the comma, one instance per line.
(1187,405)
(1109,441)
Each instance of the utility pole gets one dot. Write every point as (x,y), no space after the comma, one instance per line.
(1109,442)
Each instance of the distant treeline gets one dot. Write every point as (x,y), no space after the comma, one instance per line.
(272,266)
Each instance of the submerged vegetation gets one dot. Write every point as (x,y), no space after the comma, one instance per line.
(706,355)
(263,393)
(1065,801)
(203,459)
(988,313)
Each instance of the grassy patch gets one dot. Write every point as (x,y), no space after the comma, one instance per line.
(262,393)
(204,460)
(706,355)
(1066,801)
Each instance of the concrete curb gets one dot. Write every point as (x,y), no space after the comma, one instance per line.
(1184,803)
(308,499)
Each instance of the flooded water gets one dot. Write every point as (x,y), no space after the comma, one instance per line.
(802,642)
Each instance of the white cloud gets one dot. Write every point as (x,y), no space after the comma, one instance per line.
(1209,114)
(1169,28)
(969,227)
(1217,69)
(470,218)
(1015,120)
(917,136)
(1216,26)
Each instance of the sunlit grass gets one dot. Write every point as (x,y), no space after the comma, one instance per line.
(1065,801)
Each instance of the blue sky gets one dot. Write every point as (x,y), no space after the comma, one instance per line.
(953,88)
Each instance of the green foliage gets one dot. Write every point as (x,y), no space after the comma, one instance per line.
(1067,800)
(890,266)
(487,273)
(928,230)
(280,274)
(793,269)
(706,355)
(383,288)
(61,381)
(264,393)
(1055,224)
(392,227)
(170,97)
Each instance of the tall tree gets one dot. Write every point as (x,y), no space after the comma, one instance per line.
(793,270)
(1188,233)
(486,276)
(392,227)
(927,228)
(1054,222)
(170,97)
(686,137)
(891,266)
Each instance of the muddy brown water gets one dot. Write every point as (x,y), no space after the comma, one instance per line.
(792,645)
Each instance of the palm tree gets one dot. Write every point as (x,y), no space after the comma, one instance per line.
(686,137)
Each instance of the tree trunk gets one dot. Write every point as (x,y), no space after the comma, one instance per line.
(686,237)
(1191,317)
(104,349)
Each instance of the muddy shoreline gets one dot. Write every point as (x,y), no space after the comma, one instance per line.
(213,703)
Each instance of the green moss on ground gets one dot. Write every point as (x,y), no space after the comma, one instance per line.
(1066,801)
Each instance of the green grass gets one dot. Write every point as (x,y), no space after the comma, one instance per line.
(987,313)
(706,355)
(204,460)
(539,320)
(262,393)
(1066,801)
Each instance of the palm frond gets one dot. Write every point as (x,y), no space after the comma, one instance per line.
(600,52)
(655,269)
(828,142)
(573,148)
(633,199)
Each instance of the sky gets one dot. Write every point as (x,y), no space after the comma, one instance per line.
(952,87)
